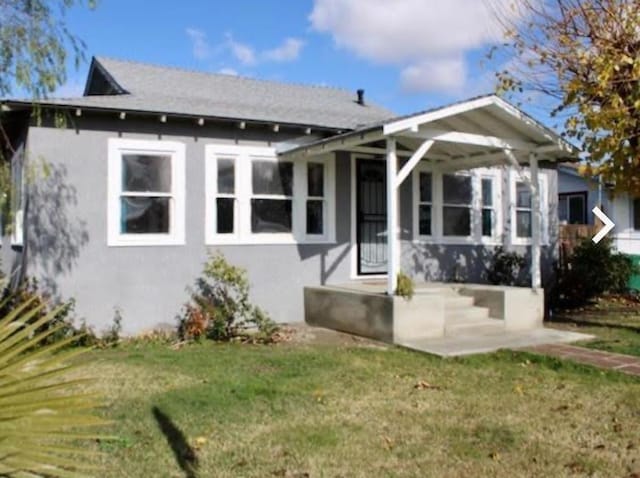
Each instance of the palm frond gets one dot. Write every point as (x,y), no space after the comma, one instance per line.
(44,412)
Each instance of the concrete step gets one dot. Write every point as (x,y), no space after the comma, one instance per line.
(474,327)
(456,302)
(465,313)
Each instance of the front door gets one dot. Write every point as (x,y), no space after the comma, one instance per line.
(371,207)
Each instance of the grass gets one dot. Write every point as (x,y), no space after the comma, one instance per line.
(615,321)
(351,411)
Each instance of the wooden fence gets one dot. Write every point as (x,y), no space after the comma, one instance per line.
(570,236)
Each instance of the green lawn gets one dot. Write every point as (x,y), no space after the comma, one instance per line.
(298,410)
(614,321)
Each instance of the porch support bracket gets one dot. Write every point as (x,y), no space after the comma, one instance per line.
(412,162)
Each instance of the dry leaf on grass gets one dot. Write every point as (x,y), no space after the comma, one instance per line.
(424,385)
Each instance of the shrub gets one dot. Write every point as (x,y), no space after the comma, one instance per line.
(595,269)
(405,287)
(505,267)
(219,308)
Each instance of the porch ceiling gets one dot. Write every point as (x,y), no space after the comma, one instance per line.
(469,134)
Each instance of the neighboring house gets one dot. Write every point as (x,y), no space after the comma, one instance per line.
(577,196)
(157,166)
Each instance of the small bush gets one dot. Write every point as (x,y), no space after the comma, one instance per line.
(595,269)
(405,287)
(219,308)
(505,267)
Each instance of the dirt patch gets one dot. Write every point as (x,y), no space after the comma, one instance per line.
(301,333)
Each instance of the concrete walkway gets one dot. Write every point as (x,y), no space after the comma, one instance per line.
(606,360)
(457,345)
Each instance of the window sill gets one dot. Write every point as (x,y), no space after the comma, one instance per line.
(143,240)
(456,241)
(268,242)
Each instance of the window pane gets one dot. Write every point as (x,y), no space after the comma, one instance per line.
(487,192)
(576,210)
(636,214)
(456,221)
(487,222)
(226,176)
(272,177)
(456,189)
(315,217)
(315,179)
(144,215)
(562,208)
(224,215)
(523,195)
(523,223)
(424,220)
(270,215)
(146,173)
(425,187)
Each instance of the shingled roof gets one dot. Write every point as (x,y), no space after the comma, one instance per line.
(130,86)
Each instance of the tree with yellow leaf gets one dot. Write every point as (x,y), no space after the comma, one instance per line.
(583,56)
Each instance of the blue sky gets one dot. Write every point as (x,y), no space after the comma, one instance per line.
(407,54)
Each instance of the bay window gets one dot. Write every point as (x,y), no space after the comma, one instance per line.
(488,213)
(272,201)
(457,208)
(146,193)
(425,198)
(523,210)
(315,202)
(456,205)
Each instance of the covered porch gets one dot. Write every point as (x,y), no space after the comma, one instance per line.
(464,160)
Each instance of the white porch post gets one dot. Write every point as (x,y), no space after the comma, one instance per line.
(392,216)
(535,223)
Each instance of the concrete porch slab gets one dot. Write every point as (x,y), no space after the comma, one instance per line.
(460,345)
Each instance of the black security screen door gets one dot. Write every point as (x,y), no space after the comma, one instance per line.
(371,206)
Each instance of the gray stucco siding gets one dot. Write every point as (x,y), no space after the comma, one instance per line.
(66,232)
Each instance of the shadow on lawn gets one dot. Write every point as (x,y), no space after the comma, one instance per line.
(184,453)
(585,322)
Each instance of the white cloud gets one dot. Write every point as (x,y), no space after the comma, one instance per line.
(446,75)
(200,44)
(288,51)
(414,34)
(244,53)
(228,71)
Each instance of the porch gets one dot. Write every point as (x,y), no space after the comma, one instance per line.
(472,176)
(441,319)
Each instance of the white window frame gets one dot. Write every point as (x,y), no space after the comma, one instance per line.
(516,177)
(243,157)
(417,202)
(117,147)
(437,225)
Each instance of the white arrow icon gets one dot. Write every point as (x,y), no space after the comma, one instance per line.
(608,225)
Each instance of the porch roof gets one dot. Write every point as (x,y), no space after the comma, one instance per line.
(471,133)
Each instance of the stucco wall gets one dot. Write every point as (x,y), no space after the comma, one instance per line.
(66,232)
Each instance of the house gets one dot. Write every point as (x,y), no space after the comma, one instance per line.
(154,167)
(578,195)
